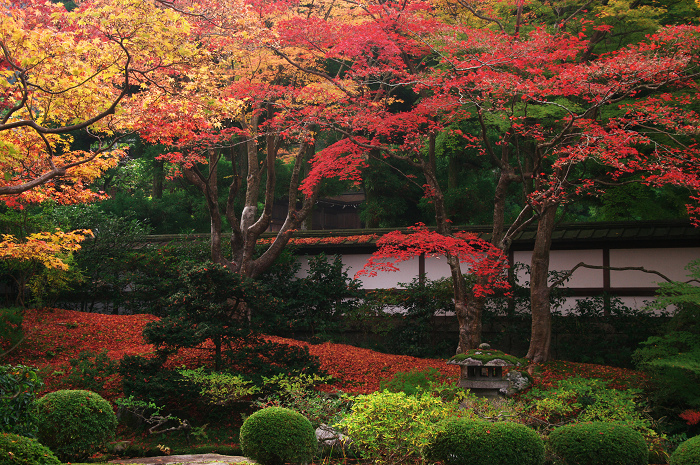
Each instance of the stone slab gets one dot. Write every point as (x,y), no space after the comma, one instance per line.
(209,459)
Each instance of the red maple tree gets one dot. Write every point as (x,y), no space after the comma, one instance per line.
(250,82)
(233,108)
(554,118)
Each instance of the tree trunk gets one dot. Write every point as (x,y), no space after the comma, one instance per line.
(541,334)
(469,312)
(158,175)
(208,186)
(467,308)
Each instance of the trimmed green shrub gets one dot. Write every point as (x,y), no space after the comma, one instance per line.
(599,443)
(463,441)
(688,453)
(20,450)
(74,424)
(276,435)
(18,387)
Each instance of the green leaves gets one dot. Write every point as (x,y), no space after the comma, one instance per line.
(673,361)
(583,399)
(389,427)
(18,388)
(74,423)
(213,303)
(463,441)
(220,388)
(91,370)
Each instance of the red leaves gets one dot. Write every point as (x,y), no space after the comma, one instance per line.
(55,336)
(343,160)
(358,239)
(360,370)
(483,258)
(66,333)
(691,417)
(547,375)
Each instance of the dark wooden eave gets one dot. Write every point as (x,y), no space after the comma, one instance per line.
(638,234)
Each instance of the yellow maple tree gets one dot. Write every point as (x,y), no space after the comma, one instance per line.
(39,258)
(62,72)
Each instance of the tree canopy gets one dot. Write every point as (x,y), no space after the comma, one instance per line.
(62,72)
(557,101)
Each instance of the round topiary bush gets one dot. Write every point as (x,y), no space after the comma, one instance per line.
(74,423)
(599,443)
(275,435)
(462,441)
(688,453)
(20,450)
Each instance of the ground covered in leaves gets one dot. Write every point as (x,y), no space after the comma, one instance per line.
(54,336)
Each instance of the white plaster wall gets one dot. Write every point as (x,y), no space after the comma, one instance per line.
(522,257)
(408,270)
(634,302)
(437,267)
(563,260)
(670,262)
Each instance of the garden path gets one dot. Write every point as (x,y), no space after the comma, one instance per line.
(209,459)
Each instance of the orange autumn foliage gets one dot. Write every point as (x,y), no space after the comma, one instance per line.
(62,72)
(44,247)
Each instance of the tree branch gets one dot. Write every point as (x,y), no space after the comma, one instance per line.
(568,274)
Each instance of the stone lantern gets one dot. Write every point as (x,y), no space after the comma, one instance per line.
(482,370)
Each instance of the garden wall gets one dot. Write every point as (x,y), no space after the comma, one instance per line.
(664,248)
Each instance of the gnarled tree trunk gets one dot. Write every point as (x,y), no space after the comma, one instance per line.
(467,308)
(541,334)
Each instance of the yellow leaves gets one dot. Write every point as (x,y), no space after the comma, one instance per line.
(617,11)
(80,67)
(44,247)
(74,68)
(9,153)
(322,92)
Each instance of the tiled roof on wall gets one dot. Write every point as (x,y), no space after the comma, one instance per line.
(572,235)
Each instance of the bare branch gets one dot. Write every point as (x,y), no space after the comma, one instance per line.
(568,274)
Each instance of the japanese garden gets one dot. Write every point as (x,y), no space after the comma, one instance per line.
(453,232)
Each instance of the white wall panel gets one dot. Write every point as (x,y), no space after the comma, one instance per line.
(522,257)
(562,260)
(384,280)
(437,267)
(670,262)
